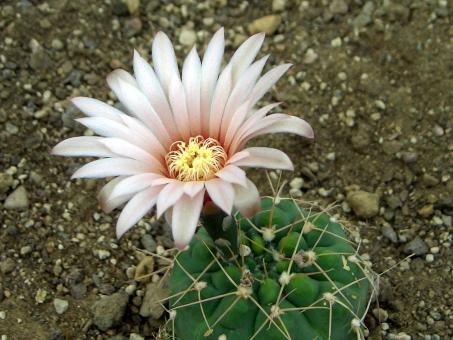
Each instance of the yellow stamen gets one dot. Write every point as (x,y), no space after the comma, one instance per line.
(198,160)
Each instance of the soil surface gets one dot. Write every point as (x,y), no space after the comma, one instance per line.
(374,78)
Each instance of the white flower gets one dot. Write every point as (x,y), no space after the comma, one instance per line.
(184,136)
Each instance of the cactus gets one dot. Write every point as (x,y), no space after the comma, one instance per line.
(286,273)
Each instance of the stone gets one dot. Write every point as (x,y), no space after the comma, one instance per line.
(389,233)
(417,246)
(429,180)
(7,266)
(40,60)
(108,311)
(60,305)
(296,183)
(152,301)
(426,211)
(364,204)
(78,291)
(132,27)
(148,243)
(17,200)
(338,7)
(135,336)
(380,314)
(144,269)
(187,37)
(267,24)
(278,5)
(133,6)
(6,181)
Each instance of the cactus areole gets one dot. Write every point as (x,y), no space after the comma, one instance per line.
(286,273)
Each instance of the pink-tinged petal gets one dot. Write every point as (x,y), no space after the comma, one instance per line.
(137,104)
(261,157)
(125,149)
(168,196)
(152,89)
(193,188)
(233,174)
(237,156)
(108,128)
(82,147)
(240,93)
(122,75)
(210,68)
(247,199)
(191,77)
(107,204)
(164,60)
(221,193)
(219,100)
(266,82)
(135,209)
(143,136)
(163,180)
(245,54)
(167,215)
(96,108)
(178,105)
(108,167)
(185,216)
(133,184)
(284,123)
(255,118)
(236,120)
(274,123)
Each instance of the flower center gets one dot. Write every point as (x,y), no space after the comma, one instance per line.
(197,160)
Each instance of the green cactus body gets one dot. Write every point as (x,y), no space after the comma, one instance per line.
(298,277)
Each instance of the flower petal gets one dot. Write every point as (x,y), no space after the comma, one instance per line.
(82,147)
(240,93)
(125,149)
(107,167)
(221,193)
(245,54)
(185,216)
(152,89)
(266,82)
(236,120)
(210,68)
(246,199)
(284,123)
(191,77)
(274,123)
(120,74)
(107,204)
(168,196)
(233,174)
(133,184)
(137,104)
(193,188)
(179,107)
(219,100)
(107,128)
(135,209)
(164,60)
(261,157)
(96,108)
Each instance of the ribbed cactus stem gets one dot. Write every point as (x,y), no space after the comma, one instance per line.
(221,229)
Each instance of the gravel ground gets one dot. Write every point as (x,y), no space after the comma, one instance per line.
(374,78)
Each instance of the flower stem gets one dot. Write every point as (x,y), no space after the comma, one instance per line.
(221,228)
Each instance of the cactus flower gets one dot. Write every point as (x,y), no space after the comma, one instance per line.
(183,138)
